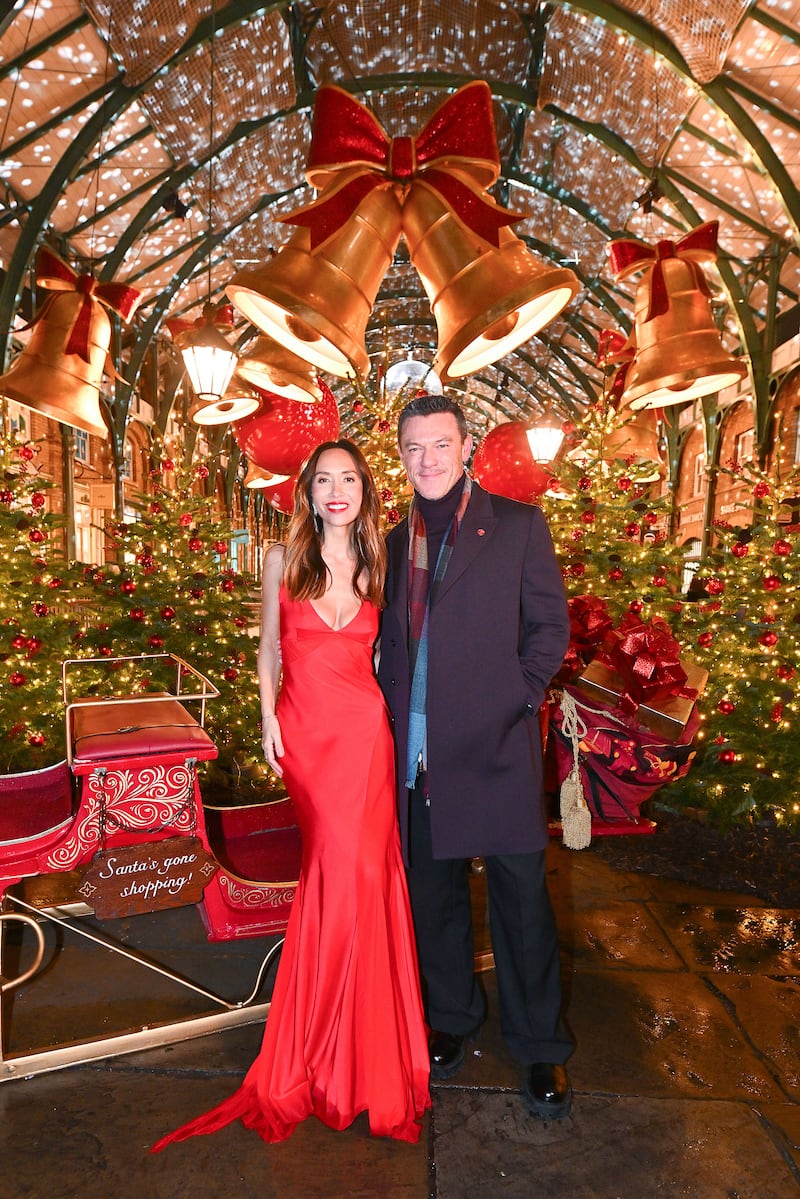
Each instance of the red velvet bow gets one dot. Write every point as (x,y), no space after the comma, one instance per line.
(697,246)
(647,659)
(221,317)
(352,151)
(56,275)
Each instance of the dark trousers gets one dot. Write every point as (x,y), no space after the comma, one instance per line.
(524,942)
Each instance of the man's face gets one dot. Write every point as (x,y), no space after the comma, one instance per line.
(433,453)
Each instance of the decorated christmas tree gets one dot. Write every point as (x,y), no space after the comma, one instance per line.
(745,629)
(172,590)
(38,620)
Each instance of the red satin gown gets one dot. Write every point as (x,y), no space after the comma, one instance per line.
(345,1031)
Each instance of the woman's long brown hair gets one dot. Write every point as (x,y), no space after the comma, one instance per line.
(305,574)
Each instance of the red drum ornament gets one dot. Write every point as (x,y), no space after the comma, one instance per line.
(281,435)
(503,464)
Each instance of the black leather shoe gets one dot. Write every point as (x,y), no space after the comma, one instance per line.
(447,1052)
(546,1091)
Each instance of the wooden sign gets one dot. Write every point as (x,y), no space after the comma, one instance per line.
(147,878)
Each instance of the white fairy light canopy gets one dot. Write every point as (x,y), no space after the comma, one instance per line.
(635,118)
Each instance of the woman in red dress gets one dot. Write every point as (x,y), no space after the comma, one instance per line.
(345,1032)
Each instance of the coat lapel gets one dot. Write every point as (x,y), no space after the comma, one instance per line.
(475,533)
(398,567)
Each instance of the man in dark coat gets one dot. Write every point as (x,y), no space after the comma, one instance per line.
(475,627)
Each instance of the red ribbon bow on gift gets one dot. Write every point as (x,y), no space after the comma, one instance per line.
(647,659)
(459,139)
(56,275)
(697,246)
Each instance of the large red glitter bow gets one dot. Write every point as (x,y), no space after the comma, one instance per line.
(56,275)
(647,659)
(351,154)
(697,246)
(589,621)
(220,317)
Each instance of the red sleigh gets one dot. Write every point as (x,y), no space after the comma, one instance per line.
(120,829)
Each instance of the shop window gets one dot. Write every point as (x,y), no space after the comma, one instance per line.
(699,476)
(743,446)
(691,564)
(81,445)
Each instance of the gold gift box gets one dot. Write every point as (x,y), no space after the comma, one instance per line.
(668,717)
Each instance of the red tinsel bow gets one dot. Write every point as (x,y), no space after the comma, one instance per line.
(458,140)
(56,275)
(589,621)
(614,346)
(697,246)
(647,659)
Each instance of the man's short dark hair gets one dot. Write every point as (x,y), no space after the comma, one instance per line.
(428,405)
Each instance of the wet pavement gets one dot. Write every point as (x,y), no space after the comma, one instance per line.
(685,1007)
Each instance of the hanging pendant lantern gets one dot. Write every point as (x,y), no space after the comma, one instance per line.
(208,356)
(679,351)
(272,367)
(60,371)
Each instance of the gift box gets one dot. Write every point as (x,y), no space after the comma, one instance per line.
(666,717)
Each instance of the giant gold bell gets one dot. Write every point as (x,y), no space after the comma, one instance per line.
(679,355)
(317,302)
(487,300)
(272,367)
(62,386)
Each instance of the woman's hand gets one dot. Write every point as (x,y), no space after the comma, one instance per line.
(272,743)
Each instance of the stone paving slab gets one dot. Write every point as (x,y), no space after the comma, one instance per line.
(740,940)
(616,935)
(658,1034)
(486,1148)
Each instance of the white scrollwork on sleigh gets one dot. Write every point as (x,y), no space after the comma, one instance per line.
(152,799)
(255,896)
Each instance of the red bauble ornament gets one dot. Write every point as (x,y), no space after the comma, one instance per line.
(650,518)
(777,712)
(769,639)
(635,606)
(195,544)
(40,609)
(785,672)
(584,483)
(714,586)
(185,519)
(230,674)
(632,529)
(727,756)
(156,509)
(588,517)
(240,622)
(577,570)
(771,582)
(37,536)
(25,452)
(227,585)
(6,496)
(383,426)
(197,593)
(659,580)
(105,651)
(358,406)
(17,679)
(705,639)
(503,464)
(761,490)
(281,496)
(782,547)
(387,495)
(37,740)
(201,471)
(137,613)
(155,642)
(726,707)
(576,534)
(168,612)
(624,483)
(220,547)
(615,575)
(392,516)
(19,642)
(740,549)
(281,435)
(37,500)
(127,586)
(167,465)
(33,645)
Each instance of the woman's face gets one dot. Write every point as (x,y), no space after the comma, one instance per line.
(336,489)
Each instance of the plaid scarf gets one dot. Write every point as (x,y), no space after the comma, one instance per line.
(419,607)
